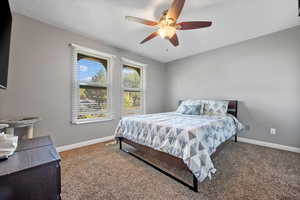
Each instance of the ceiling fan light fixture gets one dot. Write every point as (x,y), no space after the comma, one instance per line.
(167,24)
(167,32)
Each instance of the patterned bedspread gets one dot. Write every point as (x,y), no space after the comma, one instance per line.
(193,138)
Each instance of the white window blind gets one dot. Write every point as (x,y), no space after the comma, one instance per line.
(91,87)
(133,87)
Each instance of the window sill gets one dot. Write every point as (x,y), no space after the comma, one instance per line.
(133,114)
(92,121)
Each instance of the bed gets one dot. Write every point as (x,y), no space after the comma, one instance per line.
(189,140)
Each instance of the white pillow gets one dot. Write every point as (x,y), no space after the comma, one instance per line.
(188,102)
(215,107)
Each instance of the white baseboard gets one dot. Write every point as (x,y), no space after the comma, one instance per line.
(240,139)
(268,144)
(82,144)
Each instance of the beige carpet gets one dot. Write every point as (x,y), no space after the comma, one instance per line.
(244,171)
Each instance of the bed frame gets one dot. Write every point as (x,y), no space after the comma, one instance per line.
(172,160)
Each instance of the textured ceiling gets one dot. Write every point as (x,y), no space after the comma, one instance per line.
(233,21)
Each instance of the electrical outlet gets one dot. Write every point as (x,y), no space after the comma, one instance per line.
(273,131)
(247,127)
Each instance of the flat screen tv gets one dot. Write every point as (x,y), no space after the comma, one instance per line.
(5,32)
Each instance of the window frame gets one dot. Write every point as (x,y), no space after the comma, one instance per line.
(76,49)
(142,89)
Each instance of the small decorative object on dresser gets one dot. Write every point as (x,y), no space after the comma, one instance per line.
(32,172)
(8,145)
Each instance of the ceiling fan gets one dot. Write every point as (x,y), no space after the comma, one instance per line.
(167,25)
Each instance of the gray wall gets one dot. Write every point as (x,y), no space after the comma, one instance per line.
(40,81)
(263,73)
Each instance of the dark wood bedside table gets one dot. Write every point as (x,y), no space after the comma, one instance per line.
(32,173)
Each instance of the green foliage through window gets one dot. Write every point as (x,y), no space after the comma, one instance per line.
(93,91)
(131,77)
(132,101)
(132,94)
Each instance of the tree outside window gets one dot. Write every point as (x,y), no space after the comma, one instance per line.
(132,83)
(91,86)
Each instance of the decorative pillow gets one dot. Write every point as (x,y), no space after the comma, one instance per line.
(181,107)
(215,107)
(191,109)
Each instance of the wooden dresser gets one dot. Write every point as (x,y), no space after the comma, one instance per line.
(32,173)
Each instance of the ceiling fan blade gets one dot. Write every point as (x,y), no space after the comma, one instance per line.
(193,25)
(141,21)
(175,9)
(174,40)
(153,35)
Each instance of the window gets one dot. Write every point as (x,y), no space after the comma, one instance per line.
(91,86)
(133,91)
